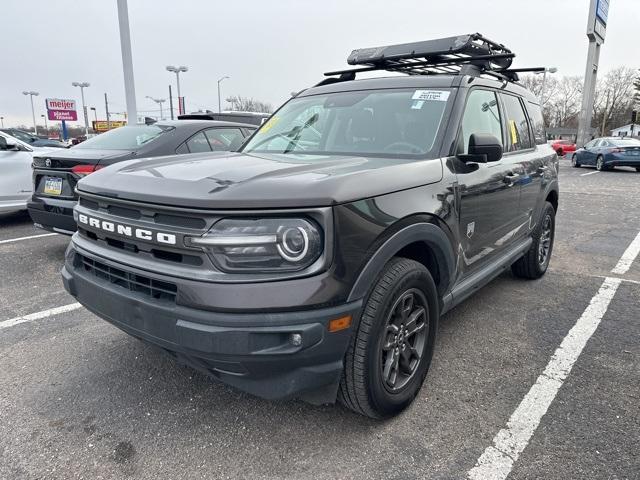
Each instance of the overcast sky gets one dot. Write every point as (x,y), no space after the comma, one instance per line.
(268,47)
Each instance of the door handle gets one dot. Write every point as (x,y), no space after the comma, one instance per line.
(511,179)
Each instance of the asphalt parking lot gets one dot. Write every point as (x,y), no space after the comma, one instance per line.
(80,399)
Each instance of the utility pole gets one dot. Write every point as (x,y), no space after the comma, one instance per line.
(596,31)
(127,61)
(170,102)
(106,109)
(32,94)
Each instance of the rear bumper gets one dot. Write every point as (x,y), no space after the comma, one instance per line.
(253,352)
(52,214)
(613,160)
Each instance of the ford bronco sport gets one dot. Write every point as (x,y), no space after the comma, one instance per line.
(316,261)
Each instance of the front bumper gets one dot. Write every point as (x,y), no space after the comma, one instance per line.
(253,352)
(53,214)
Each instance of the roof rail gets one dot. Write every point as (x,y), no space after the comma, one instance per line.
(470,54)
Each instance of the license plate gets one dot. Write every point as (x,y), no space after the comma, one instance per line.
(53,186)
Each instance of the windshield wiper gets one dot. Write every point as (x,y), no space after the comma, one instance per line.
(294,141)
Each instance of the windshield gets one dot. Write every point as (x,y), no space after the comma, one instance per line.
(125,138)
(373,122)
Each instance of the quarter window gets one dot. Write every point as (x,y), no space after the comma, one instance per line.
(518,134)
(539,132)
(198,143)
(482,116)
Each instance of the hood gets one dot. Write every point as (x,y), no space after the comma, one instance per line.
(237,180)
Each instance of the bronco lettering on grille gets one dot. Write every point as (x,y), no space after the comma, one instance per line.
(128,231)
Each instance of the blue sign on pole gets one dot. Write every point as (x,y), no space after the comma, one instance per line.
(602,11)
(64,131)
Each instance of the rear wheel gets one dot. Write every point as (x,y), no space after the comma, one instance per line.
(600,164)
(391,350)
(574,161)
(535,262)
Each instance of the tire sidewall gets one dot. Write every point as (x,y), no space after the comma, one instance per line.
(548,210)
(385,402)
(600,163)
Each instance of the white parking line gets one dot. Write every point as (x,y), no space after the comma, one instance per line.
(39,315)
(497,460)
(628,257)
(589,173)
(11,240)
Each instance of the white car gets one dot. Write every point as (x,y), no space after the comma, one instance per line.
(16,184)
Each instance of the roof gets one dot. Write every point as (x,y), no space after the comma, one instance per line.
(202,123)
(636,126)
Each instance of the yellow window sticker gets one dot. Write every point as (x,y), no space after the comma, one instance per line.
(269,124)
(514,132)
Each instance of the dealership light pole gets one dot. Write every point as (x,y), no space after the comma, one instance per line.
(544,82)
(596,31)
(159,101)
(219,104)
(46,127)
(127,62)
(2,122)
(82,86)
(177,70)
(32,94)
(95,113)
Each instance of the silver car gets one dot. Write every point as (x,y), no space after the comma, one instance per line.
(15,173)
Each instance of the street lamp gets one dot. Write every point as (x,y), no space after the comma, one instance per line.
(219,105)
(46,127)
(177,70)
(544,81)
(82,86)
(33,112)
(2,122)
(159,101)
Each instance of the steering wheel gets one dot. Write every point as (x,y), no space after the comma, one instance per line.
(403,145)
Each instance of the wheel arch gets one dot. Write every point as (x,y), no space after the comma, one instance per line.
(426,243)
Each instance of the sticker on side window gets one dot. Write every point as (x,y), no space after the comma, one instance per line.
(431,95)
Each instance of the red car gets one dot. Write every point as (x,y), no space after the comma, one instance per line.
(563,146)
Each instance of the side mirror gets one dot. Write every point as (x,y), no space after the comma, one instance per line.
(482,149)
(8,144)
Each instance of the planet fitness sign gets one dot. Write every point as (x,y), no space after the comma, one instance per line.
(59,109)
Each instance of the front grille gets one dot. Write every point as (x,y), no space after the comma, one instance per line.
(156,289)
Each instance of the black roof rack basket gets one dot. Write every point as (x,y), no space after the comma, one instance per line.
(465,54)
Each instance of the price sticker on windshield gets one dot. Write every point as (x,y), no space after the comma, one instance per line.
(431,95)
(269,124)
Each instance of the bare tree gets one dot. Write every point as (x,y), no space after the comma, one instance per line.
(245,104)
(636,88)
(564,107)
(614,98)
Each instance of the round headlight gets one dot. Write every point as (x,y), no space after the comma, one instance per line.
(294,244)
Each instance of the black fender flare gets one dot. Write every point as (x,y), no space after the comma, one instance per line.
(432,235)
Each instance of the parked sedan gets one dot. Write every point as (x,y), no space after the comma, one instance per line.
(15,180)
(563,147)
(55,174)
(33,140)
(607,153)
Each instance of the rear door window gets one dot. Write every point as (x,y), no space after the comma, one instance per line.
(518,133)
(224,139)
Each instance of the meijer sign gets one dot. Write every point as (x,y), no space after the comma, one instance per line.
(60,109)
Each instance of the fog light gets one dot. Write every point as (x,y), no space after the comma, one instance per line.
(295,339)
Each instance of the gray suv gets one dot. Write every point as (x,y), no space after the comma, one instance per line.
(316,261)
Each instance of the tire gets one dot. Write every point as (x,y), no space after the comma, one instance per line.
(366,385)
(560,153)
(600,164)
(637,169)
(531,265)
(574,161)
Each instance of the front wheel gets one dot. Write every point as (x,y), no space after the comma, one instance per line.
(391,350)
(574,161)
(535,262)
